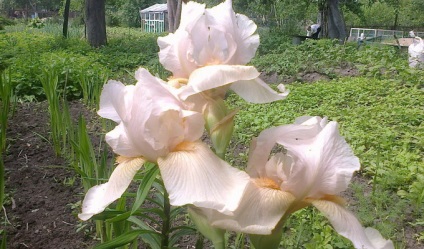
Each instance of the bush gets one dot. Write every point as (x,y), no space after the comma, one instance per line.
(29,51)
(4,21)
(324,55)
(36,23)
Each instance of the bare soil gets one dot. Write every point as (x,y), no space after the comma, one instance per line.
(39,209)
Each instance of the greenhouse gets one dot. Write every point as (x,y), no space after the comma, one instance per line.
(154,19)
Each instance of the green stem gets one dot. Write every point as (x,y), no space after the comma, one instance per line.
(2,180)
(100,230)
(166,223)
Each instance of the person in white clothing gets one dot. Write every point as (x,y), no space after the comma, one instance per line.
(313,31)
(361,39)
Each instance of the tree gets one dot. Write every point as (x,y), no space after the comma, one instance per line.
(35,5)
(66,18)
(174,14)
(332,20)
(95,21)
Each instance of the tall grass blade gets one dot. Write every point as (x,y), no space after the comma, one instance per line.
(85,158)
(3,241)
(2,180)
(145,186)
(49,81)
(123,239)
(6,94)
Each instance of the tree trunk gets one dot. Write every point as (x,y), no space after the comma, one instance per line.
(395,24)
(95,20)
(66,18)
(332,21)
(174,14)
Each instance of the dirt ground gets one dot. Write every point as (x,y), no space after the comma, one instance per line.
(39,209)
(40,192)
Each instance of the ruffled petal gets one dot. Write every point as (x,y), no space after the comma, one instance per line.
(239,27)
(257,91)
(100,196)
(211,44)
(191,12)
(175,48)
(156,121)
(247,41)
(194,125)
(261,146)
(211,77)
(325,163)
(258,213)
(195,175)
(174,59)
(338,163)
(377,239)
(347,225)
(120,143)
(114,100)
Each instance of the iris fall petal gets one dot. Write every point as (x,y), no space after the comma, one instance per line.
(347,225)
(195,175)
(99,197)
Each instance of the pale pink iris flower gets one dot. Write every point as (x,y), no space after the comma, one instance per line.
(153,125)
(317,164)
(208,52)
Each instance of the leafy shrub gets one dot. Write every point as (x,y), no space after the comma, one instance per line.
(381,120)
(36,23)
(324,55)
(272,41)
(5,21)
(29,51)
(129,52)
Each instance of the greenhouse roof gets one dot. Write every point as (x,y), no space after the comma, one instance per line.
(156,8)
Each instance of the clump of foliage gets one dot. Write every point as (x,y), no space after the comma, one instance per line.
(36,23)
(382,120)
(323,56)
(5,22)
(28,53)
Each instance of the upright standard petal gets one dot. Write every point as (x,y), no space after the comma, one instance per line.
(100,196)
(114,100)
(241,28)
(326,163)
(348,226)
(261,146)
(152,119)
(193,174)
(176,48)
(205,37)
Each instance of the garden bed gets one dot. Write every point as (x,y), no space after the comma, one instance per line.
(43,190)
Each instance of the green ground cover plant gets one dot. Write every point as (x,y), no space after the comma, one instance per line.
(27,51)
(381,120)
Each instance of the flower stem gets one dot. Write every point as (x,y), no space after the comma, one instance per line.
(166,222)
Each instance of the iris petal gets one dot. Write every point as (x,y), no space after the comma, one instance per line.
(100,196)
(195,175)
(347,225)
